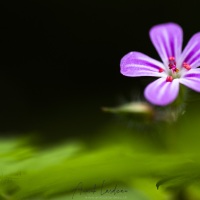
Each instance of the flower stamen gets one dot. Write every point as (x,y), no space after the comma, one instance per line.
(176,70)
(161,70)
(186,66)
(169,79)
(172,64)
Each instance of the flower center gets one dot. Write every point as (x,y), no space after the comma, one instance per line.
(174,72)
(172,64)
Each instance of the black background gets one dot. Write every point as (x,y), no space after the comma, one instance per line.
(59,60)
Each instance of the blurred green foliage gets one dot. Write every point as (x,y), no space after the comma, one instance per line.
(152,161)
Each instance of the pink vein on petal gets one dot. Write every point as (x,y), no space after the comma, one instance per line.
(191,53)
(192,79)
(167,39)
(136,64)
(161,92)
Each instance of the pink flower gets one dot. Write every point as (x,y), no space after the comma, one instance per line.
(176,66)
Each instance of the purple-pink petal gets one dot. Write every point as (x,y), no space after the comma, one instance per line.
(192,79)
(167,39)
(136,64)
(161,92)
(191,53)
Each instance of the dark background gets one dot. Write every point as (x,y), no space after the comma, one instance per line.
(59,60)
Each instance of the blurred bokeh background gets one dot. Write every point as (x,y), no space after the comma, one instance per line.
(59,65)
(60,59)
